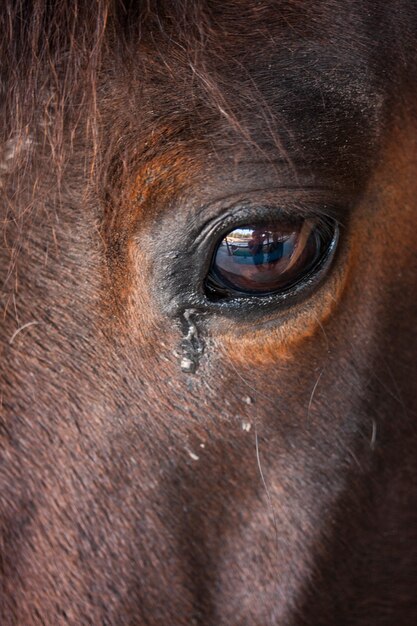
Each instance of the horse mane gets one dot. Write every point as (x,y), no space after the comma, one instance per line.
(53,54)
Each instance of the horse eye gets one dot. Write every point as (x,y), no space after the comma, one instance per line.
(267,258)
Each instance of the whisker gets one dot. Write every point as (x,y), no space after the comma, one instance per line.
(18,330)
(373,436)
(313,392)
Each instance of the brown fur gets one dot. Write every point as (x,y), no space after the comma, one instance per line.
(276,485)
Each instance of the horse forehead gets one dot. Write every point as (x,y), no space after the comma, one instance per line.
(307,79)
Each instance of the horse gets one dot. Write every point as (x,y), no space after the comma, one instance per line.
(208,400)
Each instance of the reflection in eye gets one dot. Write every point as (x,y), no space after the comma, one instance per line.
(261,259)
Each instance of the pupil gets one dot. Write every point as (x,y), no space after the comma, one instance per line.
(261,259)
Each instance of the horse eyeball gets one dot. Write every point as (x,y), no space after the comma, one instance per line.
(267,258)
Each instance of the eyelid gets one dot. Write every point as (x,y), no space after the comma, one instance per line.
(224,214)
(182,263)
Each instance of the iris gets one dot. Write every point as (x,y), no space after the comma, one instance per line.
(266,258)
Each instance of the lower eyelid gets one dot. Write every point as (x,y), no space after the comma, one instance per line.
(273,336)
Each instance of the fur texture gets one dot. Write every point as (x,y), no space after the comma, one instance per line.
(276,485)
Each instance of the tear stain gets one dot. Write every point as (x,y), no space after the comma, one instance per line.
(192,346)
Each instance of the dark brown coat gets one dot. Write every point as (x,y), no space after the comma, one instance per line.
(277,485)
